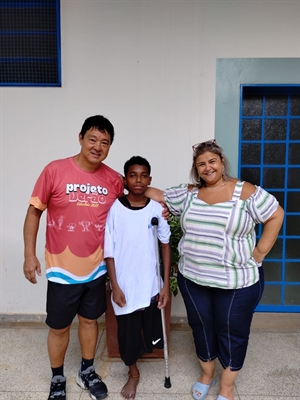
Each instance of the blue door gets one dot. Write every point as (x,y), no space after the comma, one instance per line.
(269,156)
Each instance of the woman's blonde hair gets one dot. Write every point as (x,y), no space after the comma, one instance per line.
(212,147)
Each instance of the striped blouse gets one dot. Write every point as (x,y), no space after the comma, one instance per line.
(218,240)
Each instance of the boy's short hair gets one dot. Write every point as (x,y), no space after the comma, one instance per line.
(98,122)
(136,160)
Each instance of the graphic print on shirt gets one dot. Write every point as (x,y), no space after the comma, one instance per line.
(77,203)
(86,194)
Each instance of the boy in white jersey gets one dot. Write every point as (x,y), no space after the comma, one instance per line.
(129,251)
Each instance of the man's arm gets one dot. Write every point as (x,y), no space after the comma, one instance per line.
(164,295)
(31,265)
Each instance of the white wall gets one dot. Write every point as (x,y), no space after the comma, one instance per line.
(150,67)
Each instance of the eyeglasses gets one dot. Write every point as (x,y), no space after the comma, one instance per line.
(211,141)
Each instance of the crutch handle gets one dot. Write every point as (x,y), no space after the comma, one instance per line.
(154,221)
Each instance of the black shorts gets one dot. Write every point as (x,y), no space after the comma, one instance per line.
(139,332)
(65,301)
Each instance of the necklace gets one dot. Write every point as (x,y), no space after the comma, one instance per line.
(215,187)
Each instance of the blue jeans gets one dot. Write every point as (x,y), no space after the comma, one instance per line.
(220,319)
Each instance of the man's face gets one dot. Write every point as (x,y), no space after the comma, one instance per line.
(95,147)
(137,179)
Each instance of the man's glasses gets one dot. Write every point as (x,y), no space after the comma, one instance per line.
(211,141)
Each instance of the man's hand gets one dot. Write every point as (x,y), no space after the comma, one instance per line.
(31,268)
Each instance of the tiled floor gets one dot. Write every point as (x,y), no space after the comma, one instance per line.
(271,370)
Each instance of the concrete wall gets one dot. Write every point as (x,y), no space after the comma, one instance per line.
(150,67)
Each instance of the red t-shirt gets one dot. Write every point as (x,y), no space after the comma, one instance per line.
(77,204)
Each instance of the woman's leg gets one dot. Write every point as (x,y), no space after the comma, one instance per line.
(198,303)
(228,378)
(208,371)
(233,313)
(233,316)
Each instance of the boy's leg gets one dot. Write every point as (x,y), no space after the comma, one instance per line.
(129,389)
(131,348)
(152,326)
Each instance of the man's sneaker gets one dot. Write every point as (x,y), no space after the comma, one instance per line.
(89,380)
(58,388)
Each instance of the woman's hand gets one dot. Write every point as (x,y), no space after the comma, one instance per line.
(165,212)
(258,257)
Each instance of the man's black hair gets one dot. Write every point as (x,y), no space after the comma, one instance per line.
(136,160)
(98,122)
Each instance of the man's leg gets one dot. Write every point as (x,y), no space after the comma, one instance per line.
(87,377)
(58,340)
(88,336)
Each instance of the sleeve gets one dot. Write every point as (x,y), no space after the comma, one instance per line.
(262,205)
(42,190)
(120,186)
(108,236)
(175,198)
(163,230)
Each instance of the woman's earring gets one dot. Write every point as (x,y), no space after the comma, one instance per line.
(223,169)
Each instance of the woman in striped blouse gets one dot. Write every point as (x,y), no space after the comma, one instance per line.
(219,276)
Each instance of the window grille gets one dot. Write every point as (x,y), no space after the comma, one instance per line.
(269,156)
(30,43)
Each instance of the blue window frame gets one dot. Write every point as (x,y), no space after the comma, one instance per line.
(30,43)
(269,156)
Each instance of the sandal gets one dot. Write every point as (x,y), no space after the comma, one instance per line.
(203,389)
(221,398)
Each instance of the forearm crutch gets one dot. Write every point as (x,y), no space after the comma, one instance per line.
(167,385)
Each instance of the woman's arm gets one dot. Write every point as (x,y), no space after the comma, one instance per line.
(270,232)
(155,194)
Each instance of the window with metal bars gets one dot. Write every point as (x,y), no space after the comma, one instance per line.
(269,156)
(30,43)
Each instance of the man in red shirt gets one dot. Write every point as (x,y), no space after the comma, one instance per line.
(77,193)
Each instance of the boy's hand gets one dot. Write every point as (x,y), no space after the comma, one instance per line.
(165,212)
(119,297)
(164,297)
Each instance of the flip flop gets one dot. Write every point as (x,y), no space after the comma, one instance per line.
(203,389)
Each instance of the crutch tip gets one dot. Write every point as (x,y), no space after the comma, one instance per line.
(167,383)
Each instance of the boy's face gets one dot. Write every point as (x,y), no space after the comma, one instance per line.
(137,179)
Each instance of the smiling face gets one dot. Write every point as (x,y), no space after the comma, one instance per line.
(209,167)
(137,179)
(95,147)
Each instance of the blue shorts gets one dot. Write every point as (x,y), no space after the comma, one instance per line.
(65,301)
(221,319)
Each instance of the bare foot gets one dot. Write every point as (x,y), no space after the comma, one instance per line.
(129,389)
